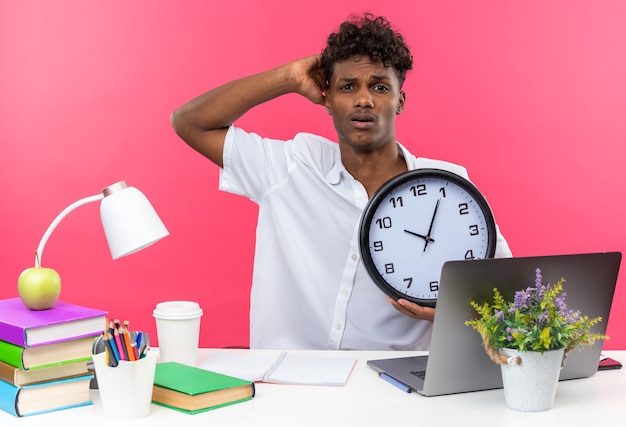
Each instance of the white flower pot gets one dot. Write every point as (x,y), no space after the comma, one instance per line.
(531,385)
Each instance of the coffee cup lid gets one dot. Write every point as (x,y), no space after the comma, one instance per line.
(177,310)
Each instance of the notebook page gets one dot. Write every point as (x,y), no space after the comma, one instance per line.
(251,366)
(296,368)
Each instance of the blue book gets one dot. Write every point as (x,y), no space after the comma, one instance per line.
(45,397)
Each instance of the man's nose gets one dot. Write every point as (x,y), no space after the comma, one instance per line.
(363,99)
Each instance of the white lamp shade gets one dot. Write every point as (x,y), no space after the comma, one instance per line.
(130,222)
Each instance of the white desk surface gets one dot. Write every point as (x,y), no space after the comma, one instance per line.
(367,400)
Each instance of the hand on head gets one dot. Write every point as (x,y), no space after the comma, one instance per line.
(311,78)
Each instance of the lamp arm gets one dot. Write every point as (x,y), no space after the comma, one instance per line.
(58,219)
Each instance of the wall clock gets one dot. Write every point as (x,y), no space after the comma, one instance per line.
(416,222)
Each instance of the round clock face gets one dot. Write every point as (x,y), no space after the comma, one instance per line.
(415,223)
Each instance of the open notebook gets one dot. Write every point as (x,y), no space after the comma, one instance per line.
(281,367)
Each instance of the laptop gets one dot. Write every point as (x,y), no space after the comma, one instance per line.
(457,362)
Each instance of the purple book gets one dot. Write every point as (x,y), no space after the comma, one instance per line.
(28,328)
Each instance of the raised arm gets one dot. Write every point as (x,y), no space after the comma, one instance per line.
(202,122)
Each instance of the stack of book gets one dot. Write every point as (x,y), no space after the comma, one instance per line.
(44,356)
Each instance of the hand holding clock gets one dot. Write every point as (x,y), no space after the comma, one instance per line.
(413,310)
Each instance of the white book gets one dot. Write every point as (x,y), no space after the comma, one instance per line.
(281,367)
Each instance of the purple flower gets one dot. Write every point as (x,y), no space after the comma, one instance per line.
(509,334)
(521,299)
(542,318)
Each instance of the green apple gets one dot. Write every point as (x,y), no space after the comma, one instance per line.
(39,287)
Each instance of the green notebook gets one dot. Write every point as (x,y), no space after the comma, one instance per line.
(190,389)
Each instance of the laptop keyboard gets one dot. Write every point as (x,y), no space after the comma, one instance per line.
(419,374)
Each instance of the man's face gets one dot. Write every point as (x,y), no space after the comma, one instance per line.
(364,98)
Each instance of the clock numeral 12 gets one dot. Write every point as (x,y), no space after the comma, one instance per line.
(418,190)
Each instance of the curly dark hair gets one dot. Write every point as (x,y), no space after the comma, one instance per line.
(368,35)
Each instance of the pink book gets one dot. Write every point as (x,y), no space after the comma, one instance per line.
(28,328)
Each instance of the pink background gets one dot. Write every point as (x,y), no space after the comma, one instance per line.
(530,96)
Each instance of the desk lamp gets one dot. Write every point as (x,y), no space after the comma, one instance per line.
(130,224)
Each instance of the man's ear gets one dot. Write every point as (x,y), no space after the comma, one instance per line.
(401,102)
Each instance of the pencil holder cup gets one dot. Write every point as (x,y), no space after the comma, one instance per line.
(126,390)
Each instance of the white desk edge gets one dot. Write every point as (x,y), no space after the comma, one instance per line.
(368,400)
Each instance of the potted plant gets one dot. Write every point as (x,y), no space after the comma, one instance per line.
(529,337)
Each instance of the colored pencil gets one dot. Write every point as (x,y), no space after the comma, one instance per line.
(135,352)
(111,342)
(121,348)
(111,353)
(127,344)
(138,339)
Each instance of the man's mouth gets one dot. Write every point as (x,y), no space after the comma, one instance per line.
(362,120)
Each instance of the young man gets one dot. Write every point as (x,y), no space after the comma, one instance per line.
(310,289)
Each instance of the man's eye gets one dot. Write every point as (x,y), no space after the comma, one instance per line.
(346,87)
(381,88)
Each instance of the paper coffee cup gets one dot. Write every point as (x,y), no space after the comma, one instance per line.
(178,331)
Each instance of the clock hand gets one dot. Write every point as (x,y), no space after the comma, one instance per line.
(430,229)
(419,235)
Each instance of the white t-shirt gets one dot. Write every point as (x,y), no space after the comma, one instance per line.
(310,289)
